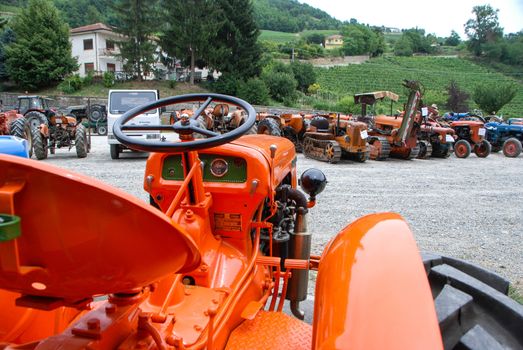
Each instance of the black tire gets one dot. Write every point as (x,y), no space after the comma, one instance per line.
(462,149)
(512,147)
(269,126)
(115,151)
(20,128)
(39,144)
(482,149)
(80,141)
(441,150)
(425,149)
(101,130)
(97,114)
(474,311)
(35,119)
(251,131)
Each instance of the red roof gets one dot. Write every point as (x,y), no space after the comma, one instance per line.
(91,28)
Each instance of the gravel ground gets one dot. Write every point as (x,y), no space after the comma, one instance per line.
(466,208)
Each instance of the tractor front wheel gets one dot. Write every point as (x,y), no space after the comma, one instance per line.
(39,144)
(462,149)
(80,141)
(269,126)
(35,119)
(115,151)
(512,147)
(483,149)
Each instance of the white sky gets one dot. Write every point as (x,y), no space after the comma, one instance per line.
(435,16)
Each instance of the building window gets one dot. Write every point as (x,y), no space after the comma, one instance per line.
(111,67)
(88,44)
(89,67)
(109,45)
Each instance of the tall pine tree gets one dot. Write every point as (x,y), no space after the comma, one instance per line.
(190,30)
(237,52)
(137,21)
(41,54)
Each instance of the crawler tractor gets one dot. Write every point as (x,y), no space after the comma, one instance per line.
(213,264)
(470,137)
(435,139)
(396,136)
(328,137)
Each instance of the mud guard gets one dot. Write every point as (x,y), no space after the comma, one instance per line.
(372,291)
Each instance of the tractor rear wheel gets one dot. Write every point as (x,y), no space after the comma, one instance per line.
(425,149)
(39,144)
(80,141)
(462,149)
(20,128)
(97,114)
(35,119)
(269,126)
(483,149)
(512,147)
(474,311)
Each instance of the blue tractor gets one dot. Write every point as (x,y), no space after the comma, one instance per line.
(506,136)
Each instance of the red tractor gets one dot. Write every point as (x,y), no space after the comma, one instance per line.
(470,137)
(12,123)
(212,266)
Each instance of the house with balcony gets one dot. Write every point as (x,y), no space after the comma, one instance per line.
(96,48)
(333,41)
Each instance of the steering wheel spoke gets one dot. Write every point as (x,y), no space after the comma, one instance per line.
(183,126)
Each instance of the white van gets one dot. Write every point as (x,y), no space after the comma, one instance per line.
(121,101)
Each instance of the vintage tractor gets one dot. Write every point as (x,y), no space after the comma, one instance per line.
(290,126)
(396,135)
(506,136)
(212,267)
(328,137)
(35,109)
(435,139)
(60,132)
(13,123)
(470,137)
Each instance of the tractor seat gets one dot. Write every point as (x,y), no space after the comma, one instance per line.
(78,237)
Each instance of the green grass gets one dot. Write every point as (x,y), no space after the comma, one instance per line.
(514,294)
(10,9)
(283,37)
(98,90)
(387,73)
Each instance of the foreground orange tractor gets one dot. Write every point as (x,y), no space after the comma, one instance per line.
(212,266)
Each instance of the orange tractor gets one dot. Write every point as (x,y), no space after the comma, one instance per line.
(396,136)
(435,139)
(330,136)
(214,265)
(290,126)
(12,123)
(471,137)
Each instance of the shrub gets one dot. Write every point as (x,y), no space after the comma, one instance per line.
(346,105)
(71,84)
(281,85)
(254,91)
(108,79)
(304,74)
(492,97)
(88,79)
(172,84)
(313,89)
(226,84)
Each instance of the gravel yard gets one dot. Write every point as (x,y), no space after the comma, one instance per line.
(466,208)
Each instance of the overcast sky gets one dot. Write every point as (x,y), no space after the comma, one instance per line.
(435,16)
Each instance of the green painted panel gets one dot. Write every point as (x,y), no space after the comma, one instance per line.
(236,172)
(9,227)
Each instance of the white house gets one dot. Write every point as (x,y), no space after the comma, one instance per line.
(95,46)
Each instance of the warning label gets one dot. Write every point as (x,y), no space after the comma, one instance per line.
(227,222)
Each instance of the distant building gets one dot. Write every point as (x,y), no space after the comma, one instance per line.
(95,46)
(333,41)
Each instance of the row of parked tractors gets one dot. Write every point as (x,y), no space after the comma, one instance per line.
(412,133)
(46,129)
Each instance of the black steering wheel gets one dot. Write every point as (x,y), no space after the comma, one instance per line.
(184,126)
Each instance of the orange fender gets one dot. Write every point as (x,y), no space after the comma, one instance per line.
(372,291)
(44,130)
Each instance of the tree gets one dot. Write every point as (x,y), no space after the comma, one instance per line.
(237,48)
(41,55)
(403,47)
(457,98)
(453,40)
(137,21)
(492,97)
(359,39)
(304,74)
(483,28)
(190,29)
(6,37)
